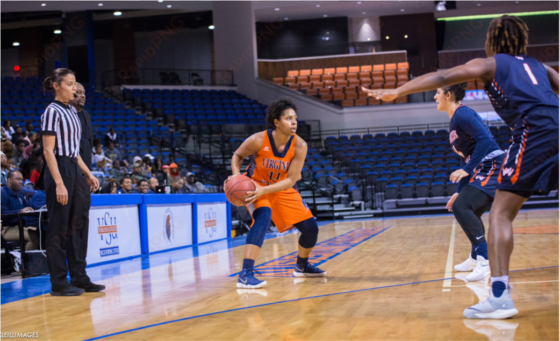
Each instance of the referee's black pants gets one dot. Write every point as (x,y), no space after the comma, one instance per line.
(66,225)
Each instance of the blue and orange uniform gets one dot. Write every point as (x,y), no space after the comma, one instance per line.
(481,157)
(523,97)
(267,167)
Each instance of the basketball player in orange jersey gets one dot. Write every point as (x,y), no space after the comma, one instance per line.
(277,157)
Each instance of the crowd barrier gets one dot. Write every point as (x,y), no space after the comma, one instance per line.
(125,226)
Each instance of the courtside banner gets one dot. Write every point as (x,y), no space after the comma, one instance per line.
(114,233)
(169,226)
(212,221)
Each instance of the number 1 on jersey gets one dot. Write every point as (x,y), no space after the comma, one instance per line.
(272,175)
(530,73)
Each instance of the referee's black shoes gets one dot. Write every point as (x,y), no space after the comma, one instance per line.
(68,291)
(90,287)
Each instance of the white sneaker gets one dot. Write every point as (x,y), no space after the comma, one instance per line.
(493,308)
(467,265)
(481,270)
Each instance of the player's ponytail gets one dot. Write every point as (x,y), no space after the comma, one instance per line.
(457,90)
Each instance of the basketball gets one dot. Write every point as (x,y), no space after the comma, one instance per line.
(236,189)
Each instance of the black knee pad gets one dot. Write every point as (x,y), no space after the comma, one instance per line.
(309,233)
(262,216)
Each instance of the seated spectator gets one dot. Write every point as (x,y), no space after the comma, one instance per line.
(7,129)
(99,159)
(18,134)
(112,137)
(96,142)
(114,185)
(19,153)
(126,185)
(177,186)
(152,183)
(193,185)
(33,146)
(4,166)
(142,186)
(36,164)
(112,153)
(156,166)
(137,174)
(8,148)
(24,136)
(14,202)
(117,171)
(166,178)
(29,127)
(174,170)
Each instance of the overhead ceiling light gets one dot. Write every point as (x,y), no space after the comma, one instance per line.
(168,6)
(387,37)
(160,1)
(43,4)
(363,12)
(211,27)
(359,2)
(368,39)
(286,18)
(57,31)
(478,4)
(325,15)
(402,9)
(100,4)
(15,43)
(405,36)
(441,6)
(117,13)
(317,5)
(277,9)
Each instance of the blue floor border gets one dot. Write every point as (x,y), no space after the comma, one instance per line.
(287,301)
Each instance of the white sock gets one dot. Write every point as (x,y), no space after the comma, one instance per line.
(504,279)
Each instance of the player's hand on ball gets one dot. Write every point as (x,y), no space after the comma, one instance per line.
(451,201)
(457,175)
(384,95)
(252,196)
(229,178)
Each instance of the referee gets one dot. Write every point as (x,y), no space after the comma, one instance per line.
(62,130)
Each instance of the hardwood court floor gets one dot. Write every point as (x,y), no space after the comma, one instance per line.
(386,281)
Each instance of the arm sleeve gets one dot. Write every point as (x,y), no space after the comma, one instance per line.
(49,122)
(471,125)
(5,205)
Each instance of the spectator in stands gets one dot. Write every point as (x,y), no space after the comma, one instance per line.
(142,186)
(112,153)
(166,178)
(28,126)
(19,153)
(126,186)
(100,160)
(193,185)
(114,185)
(7,129)
(34,143)
(37,201)
(137,173)
(8,148)
(17,135)
(177,186)
(35,164)
(5,169)
(11,164)
(117,171)
(174,170)
(14,202)
(152,183)
(96,142)
(112,137)
(156,167)
(148,163)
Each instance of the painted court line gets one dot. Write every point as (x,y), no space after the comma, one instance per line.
(449,266)
(286,301)
(322,252)
(531,282)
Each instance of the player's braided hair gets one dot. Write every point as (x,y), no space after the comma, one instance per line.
(508,34)
(275,109)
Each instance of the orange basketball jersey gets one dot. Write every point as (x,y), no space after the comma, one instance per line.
(268,166)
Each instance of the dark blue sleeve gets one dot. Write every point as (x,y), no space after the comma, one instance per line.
(468,121)
(6,204)
(38,200)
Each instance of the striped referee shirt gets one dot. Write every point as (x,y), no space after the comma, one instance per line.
(62,121)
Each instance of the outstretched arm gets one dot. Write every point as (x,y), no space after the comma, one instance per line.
(481,68)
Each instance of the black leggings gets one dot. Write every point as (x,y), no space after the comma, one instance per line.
(469,206)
